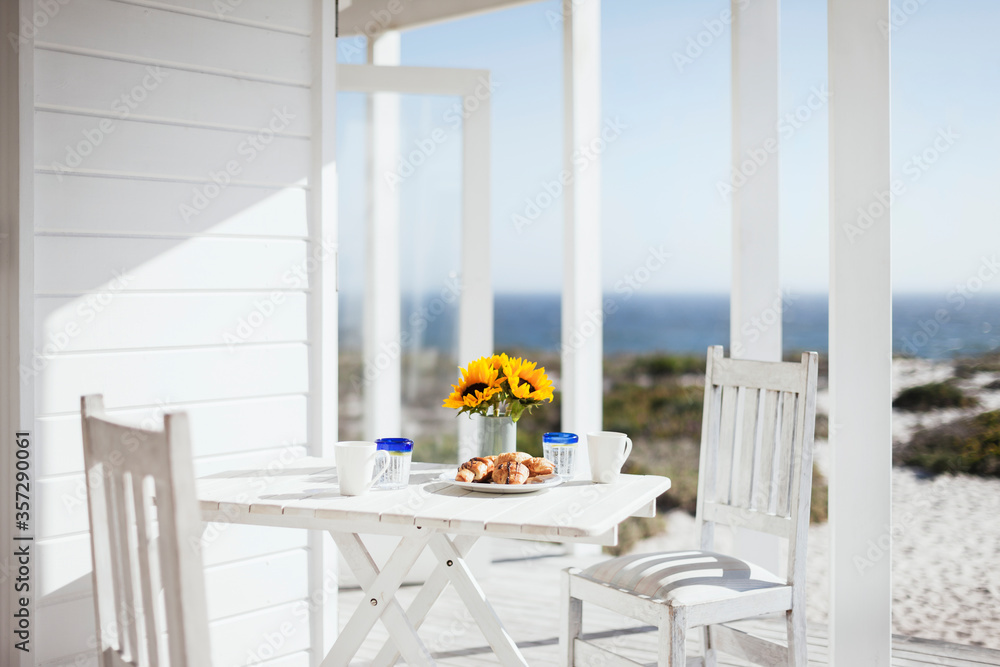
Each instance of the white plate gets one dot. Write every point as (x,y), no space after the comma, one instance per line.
(533,484)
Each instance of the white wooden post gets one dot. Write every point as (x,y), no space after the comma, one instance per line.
(323,349)
(475,324)
(382,354)
(860,335)
(17,406)
(755,303)
(582,308)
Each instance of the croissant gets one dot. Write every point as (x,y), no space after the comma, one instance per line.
(479,467)
(539,466)
(518,457)
(465,475)
(510,472)
(491,464)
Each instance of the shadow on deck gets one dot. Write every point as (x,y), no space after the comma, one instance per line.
(523,585)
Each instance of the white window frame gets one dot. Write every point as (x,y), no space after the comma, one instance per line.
(475,329)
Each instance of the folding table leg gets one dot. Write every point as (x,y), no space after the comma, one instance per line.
(428,595)
(380,599)
(475,601)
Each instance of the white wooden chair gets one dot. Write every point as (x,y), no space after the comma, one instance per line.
(137,553)
(755,472)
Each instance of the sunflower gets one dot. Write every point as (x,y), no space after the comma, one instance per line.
(479,384)
(527,382)
(499,361)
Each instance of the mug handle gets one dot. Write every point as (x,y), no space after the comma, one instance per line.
(628,449)
(384,455)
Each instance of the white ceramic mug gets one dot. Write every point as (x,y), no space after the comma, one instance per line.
(356,466)
(608,451)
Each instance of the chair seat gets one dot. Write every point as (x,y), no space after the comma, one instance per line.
(683,577)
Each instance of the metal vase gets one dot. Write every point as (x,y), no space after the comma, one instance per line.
(495,435)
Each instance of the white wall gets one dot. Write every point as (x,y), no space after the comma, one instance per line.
(155,339)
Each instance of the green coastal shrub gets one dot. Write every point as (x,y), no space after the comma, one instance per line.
(987,363)
(819,507)
(968,445)
(666,410)
(822,426)
(933,396)
(666,365)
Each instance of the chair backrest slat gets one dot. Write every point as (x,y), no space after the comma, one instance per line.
(711,420)
(747,448)
(129,606)
(760,490)
(142,504)
(786,452)
(801,483)
(757,441)
(727,439)
(126,468)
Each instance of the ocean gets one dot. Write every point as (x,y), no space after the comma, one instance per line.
(928,326)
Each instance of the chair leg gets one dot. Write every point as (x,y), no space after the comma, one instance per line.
(798,649)
(572,621)
(706,648)
(673,629)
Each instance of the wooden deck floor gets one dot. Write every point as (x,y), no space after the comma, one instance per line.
(523,585)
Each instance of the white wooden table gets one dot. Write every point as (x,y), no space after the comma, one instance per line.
(428,513)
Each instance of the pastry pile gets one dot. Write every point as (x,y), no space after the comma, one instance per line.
(507,468)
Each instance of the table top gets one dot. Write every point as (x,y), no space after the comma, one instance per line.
(305,494)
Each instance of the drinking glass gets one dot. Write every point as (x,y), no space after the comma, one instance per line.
(560,448)
(397,470)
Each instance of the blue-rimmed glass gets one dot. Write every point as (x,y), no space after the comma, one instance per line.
(397,470)
(560,448)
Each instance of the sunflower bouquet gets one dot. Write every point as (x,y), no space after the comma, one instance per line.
(500,386)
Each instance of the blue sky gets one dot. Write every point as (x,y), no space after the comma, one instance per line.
(660,178)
